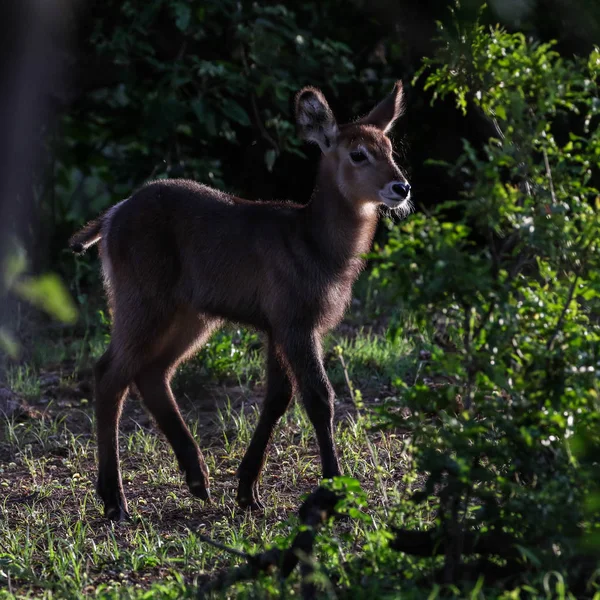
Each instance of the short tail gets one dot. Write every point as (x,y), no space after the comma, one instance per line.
(86,237)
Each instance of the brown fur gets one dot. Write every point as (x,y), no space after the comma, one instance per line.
(179,258)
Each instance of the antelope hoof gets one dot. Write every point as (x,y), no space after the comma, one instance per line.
(199,490)
(248,498)
(117,514)
(254,505)
(114,501)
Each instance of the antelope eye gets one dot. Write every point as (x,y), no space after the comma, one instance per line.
(358,156)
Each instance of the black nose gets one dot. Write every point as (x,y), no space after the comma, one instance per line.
(401,189)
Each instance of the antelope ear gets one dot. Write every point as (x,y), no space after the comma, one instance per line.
(387,111)
(315,119)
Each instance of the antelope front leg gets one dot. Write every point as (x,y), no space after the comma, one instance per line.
(305,359)
(277,400)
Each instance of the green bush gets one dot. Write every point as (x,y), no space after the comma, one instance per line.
(511,293)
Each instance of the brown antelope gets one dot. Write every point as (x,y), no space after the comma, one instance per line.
(179,258)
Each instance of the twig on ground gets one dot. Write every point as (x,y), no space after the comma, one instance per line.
(315,510)
(212,542)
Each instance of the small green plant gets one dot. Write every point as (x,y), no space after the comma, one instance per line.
(372,360)
(46,292)
(23,379)
(230,354)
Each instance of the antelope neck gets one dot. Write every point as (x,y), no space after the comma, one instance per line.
(339,228)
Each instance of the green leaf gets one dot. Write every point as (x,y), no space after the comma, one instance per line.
(183,16)
(14,264)
(48,293)
(199,108)
(235,112)
(205,115)
(9,344)
(270,158)
(348,484)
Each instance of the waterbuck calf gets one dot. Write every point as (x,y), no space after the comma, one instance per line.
(179,258)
